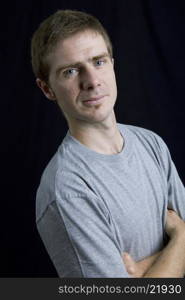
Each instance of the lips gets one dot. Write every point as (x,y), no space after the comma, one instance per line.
(94,100)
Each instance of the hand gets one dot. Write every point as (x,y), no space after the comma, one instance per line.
(132,266)
(174,224)
(139,268)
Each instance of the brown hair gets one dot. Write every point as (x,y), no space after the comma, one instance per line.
(58,26)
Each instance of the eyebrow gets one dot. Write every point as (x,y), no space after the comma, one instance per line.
(78,64)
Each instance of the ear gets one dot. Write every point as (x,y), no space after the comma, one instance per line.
(48,92)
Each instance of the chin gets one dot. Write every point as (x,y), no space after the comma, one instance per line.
(99,117)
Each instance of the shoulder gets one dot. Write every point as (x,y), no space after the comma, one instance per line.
(63,179)
(144,136)
(146,141)
(45,194)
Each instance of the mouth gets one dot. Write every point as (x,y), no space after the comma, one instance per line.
(94,100)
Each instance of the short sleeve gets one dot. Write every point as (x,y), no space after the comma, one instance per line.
(78,236)
(176,190)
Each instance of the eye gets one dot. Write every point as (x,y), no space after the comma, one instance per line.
(70,72)
(100,62)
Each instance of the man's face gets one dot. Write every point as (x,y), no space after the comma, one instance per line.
(82,78)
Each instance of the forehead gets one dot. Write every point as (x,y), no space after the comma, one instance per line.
(79,47)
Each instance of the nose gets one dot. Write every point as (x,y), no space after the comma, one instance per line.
(89,79)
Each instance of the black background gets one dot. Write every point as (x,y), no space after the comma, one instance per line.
(149,52)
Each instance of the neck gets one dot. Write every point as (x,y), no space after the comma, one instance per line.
(101,137)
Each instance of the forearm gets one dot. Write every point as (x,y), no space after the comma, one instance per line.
(145,264)
(170,262)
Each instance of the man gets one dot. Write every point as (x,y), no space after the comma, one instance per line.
(107,190)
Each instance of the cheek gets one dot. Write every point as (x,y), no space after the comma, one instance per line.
(113,87)
(66,98)
(112,82)
(110,76)
(63,93)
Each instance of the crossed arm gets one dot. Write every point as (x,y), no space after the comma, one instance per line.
(170,262)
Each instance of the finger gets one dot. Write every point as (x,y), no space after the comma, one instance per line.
(171,212)
(129,263)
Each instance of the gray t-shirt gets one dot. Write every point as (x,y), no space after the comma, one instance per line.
(92,207)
